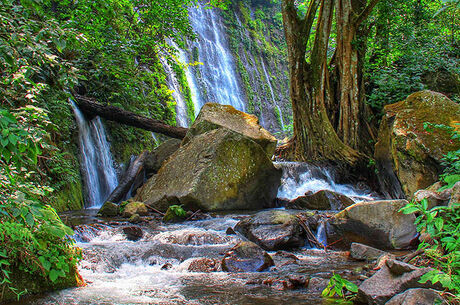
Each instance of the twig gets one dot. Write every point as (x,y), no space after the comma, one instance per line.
(310,236)
(155,210)
(191,216)
(411,256)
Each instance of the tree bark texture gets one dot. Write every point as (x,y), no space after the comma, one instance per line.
(122,116)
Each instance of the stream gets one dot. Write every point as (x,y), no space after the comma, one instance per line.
(161,267)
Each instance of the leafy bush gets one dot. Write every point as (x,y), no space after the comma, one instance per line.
(340,287)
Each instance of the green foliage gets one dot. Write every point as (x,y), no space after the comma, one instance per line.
(442,223)
(341,287)
(178,210)
(33,238)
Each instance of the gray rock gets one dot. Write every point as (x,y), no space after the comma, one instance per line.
(108,209)
(273,230)
(246,257)
(217,170)
(159,155)
(366,253)
(377,223)
(317,285)
(322,200)
(434,198)
(383,285)
(417,296)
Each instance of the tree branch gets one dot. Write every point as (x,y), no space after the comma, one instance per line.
(366,12)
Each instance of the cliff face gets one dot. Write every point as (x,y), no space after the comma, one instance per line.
(256,39)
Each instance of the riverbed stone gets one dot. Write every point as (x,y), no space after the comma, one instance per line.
(376,223)
(385,284)
(322,200)
(135,207)
(417,296)
(109,209)
(213,116)
(246,256)
(216,170)
(433,198)
(204,264)
(273,230)
(363,252)
(133,233)
(408,156)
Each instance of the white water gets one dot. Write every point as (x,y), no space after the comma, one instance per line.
(275,103)
(174,86)
(97,163)
(218,74)
(301,178)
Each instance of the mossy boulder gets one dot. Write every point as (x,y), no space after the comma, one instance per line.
(376,223)
(133,208)
(109,209)
(213,116)
(408,156)
(273,230)
(216,170)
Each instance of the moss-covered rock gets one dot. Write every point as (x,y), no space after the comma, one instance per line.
(216,170)
(69,198)
(377,223)
(109,209)
(405,151)
(134,208)
(213,116)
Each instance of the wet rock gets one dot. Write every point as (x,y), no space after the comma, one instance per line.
(203,264)
(230,231)
(366,253)
(408,157)
(417,296)
(317,285)
(135,207)
(166,266)
(213,116)
(246,257)
(135,219)
(384,284)
(322,200)
(108,209)
(195,237)
(217,170)
(434,198)
(377,223)
(171,216)
(133,233)
(159,155)
(273,230)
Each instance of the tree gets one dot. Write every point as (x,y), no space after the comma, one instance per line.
(315,136)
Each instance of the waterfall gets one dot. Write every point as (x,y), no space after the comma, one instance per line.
(96,160)
(217,77)
(275,103)
(301,178)
(174,86)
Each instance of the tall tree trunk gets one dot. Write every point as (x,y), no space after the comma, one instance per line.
(314,136)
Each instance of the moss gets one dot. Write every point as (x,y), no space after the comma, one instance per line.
(69,198)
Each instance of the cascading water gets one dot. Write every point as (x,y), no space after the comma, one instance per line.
(301,178)
(275,103)
(96,160)
(173,85)
(217,78)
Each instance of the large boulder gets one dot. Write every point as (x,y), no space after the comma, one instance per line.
(213,116)
(246,257)
(393,278)
(273,230)
(216,170)
(109,209)
(322,200)
(159,155)
(376,223)
(409,157)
